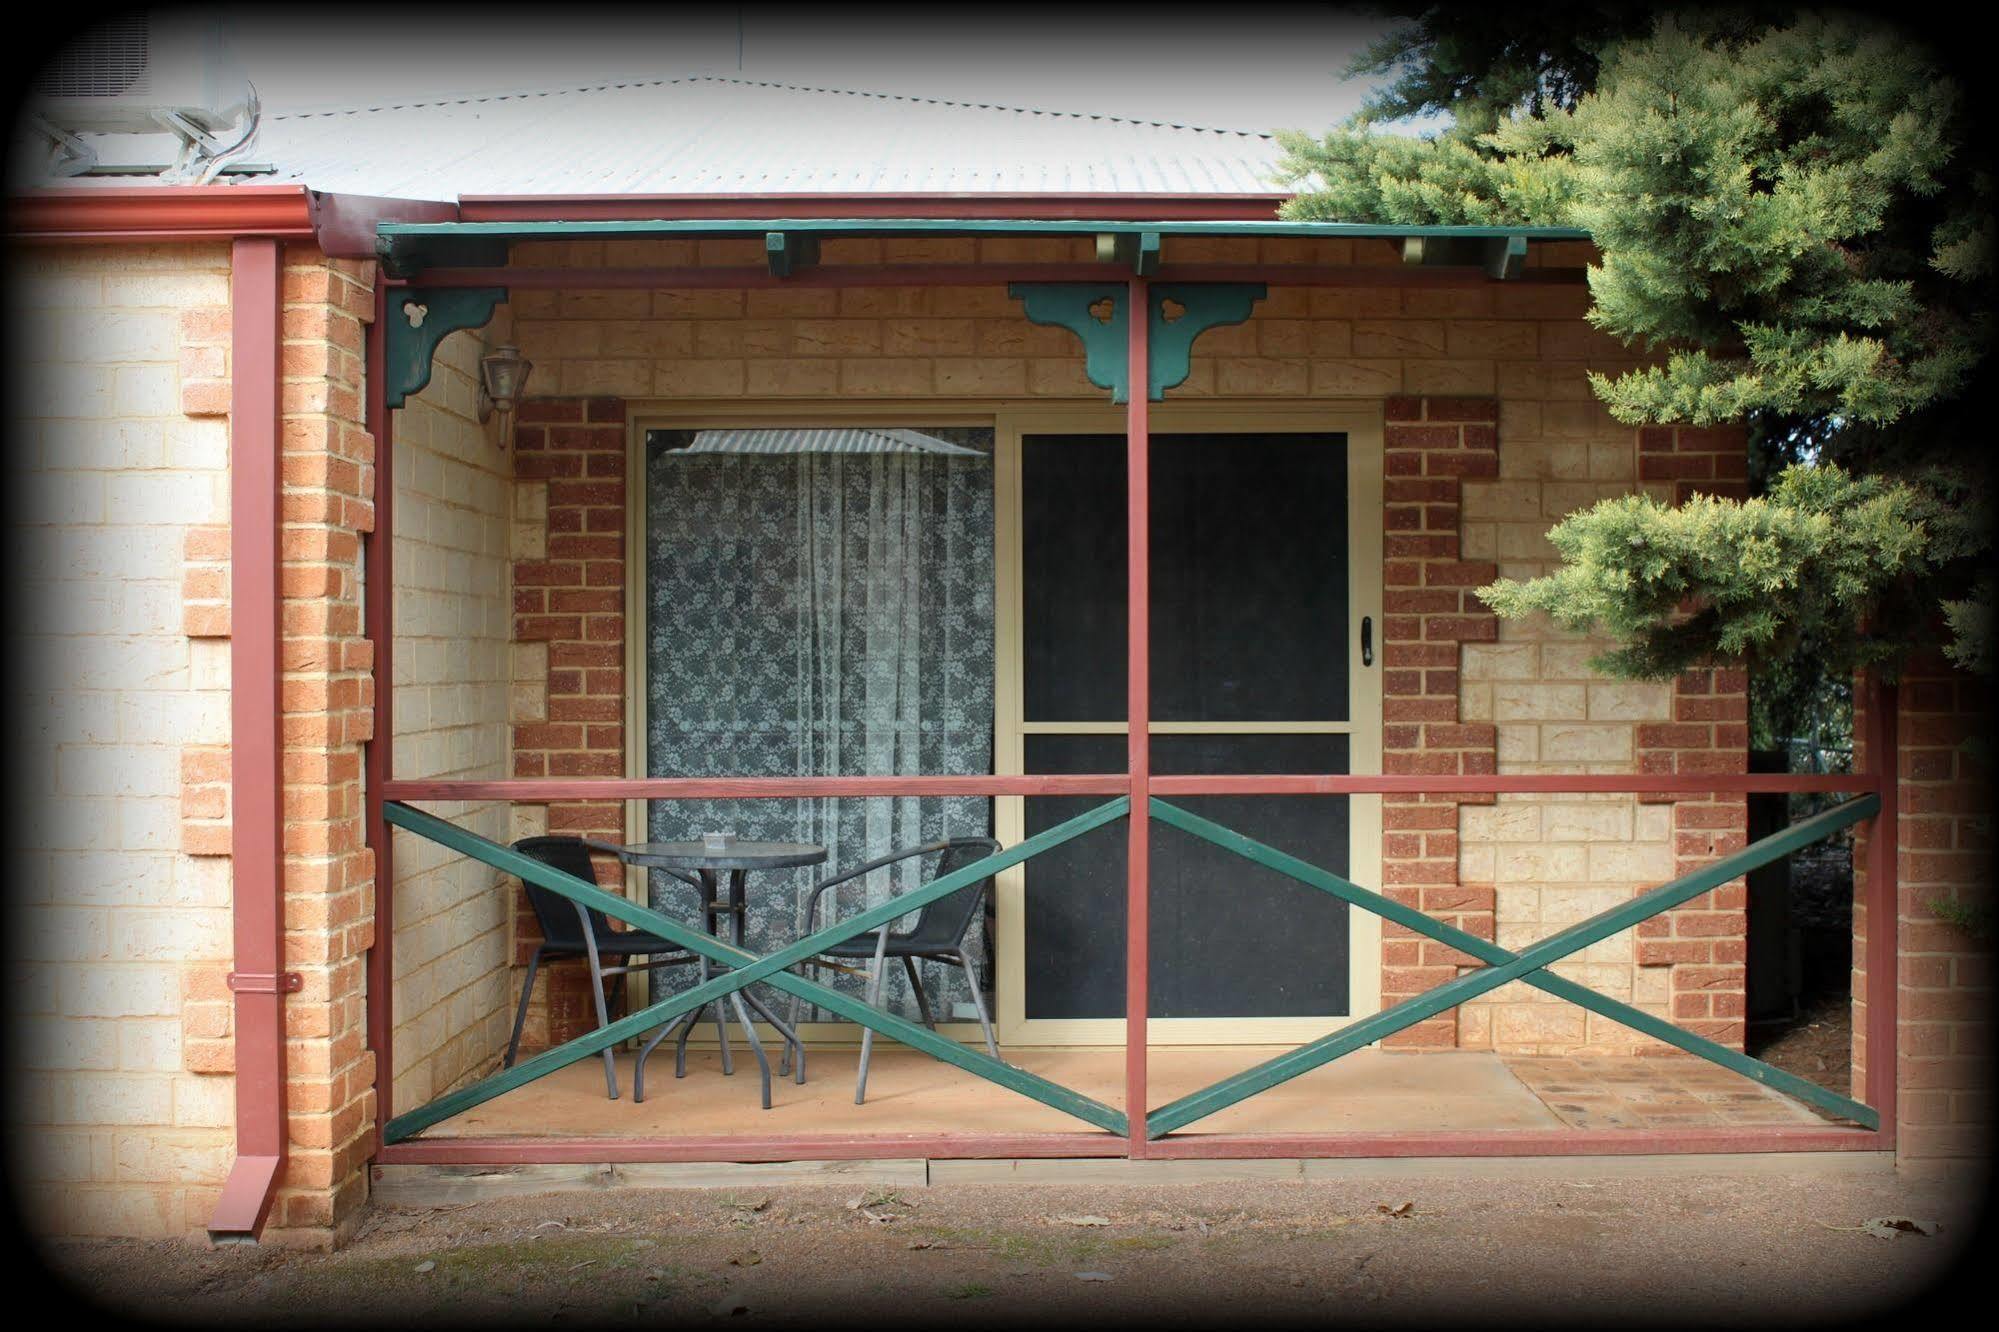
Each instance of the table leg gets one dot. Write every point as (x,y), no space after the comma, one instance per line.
(739,913)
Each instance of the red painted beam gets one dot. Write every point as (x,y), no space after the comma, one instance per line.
(163,213)
(1520,1142)
(538,789)
(1138,706)
(1525,783)
(256,775)
(1103,206)
(794,1147)
(742,276)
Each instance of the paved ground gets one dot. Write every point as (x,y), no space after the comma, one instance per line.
(1764,1246)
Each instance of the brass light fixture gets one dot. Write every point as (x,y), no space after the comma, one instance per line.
(503,378)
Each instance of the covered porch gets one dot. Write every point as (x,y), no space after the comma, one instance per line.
(1327,801)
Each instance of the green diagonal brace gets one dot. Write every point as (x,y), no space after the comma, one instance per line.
(1504,966)
(747,969)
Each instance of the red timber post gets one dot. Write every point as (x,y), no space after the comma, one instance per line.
(1883,906)
(1138,704)
(256,776)
(378,625)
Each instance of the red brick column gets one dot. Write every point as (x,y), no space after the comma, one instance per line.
(1429,610)
(1943,868)
(573,599)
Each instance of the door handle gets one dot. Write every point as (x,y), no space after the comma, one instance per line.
(1367,640)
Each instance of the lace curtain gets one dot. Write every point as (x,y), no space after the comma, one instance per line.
(820,603)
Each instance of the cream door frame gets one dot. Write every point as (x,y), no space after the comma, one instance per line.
(1359,420)
(1361,424)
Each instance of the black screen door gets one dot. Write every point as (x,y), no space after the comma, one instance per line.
(1250,635)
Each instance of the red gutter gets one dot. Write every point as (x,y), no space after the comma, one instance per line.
(162,213)
(1091,206)
(256,774)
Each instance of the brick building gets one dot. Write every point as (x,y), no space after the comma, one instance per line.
(252,465)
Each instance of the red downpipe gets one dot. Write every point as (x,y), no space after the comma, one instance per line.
(1138,705)
(379,547)
(256,775)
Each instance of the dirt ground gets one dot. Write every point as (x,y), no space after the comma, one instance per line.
(1556,1246)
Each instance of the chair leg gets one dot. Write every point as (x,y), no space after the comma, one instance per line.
(922,999)
(979,1003)
(521,1011)
(597,994)
(874,1001)
(791,1013)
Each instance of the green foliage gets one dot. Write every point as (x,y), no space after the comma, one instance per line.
(1843,566)
(1793,228)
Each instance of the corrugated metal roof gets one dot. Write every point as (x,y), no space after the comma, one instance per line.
(722,136)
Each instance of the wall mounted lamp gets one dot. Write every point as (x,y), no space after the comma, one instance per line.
(503,378)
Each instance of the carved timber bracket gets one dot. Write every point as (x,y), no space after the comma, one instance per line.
(421,318)
(1095,312)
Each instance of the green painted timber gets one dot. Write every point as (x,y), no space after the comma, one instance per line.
(747,969)
(1203,305)
(419,319)
(1503,966)
(1072,305)
(407,248)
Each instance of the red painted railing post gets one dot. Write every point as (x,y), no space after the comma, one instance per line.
(256,773)
(1883,902)
(1138,704)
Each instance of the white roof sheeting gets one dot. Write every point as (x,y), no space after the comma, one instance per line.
(722,136)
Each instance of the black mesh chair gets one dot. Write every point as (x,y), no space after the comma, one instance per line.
(570,929)
(937,936)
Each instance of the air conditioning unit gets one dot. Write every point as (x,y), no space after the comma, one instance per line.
(140,74)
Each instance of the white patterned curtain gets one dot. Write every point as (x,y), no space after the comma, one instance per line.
(820,603)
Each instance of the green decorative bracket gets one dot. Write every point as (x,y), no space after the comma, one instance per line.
(419,319)
(1183,311)
(1095,312)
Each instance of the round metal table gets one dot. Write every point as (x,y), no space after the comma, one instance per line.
(707,864)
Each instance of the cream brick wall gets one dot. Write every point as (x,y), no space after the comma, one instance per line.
(115,938)
(453,625)
(1554,860)
(1551,861)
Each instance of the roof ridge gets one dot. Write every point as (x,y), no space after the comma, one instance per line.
(611,84)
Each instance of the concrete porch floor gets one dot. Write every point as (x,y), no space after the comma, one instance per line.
(1369,1091)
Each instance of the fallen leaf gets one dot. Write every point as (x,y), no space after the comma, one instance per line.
(928,1244)
(1400,1209)
(427,1265)
(1887,1227)
(756,1206)
(750,1259)
(1083,1220)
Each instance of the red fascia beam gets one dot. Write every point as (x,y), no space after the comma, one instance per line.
(163,213)
(256,774)
(1088,206)
(743,276)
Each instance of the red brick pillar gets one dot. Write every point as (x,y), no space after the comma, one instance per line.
(573,599)
(1429,611)
(1944,871)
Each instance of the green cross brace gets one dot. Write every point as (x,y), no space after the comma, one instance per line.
(747,968)
(1504,966)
